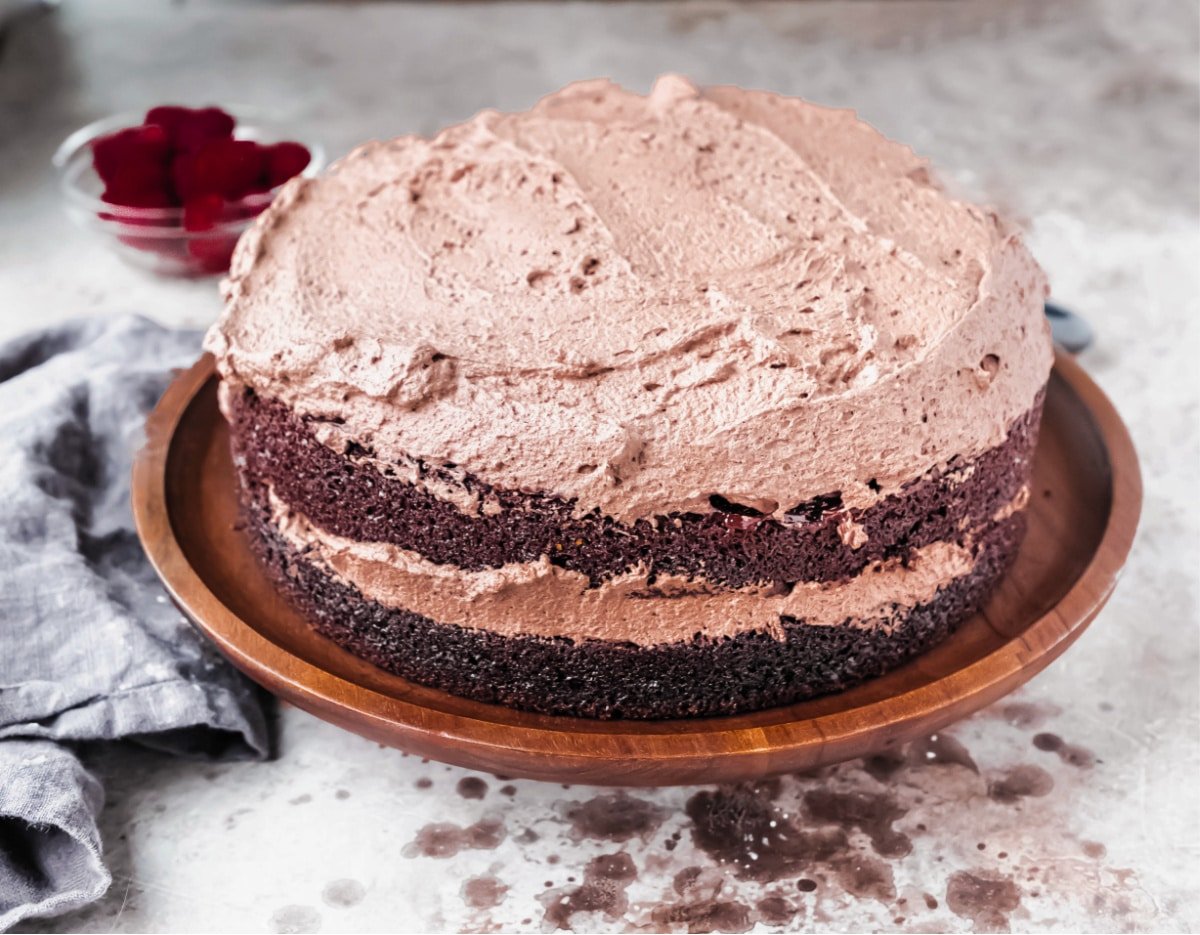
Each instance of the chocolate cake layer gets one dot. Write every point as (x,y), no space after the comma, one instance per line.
(602,679)
(353,496)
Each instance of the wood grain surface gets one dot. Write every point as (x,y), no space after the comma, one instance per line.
(1086,499)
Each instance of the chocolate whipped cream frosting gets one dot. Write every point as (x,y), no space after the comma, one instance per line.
(542,599)
(640,302)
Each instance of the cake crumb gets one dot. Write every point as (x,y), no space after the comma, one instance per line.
(853,535)
(1014,506)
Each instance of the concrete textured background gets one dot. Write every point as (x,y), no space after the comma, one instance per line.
(1070,807)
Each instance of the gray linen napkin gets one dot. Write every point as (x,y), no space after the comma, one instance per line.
(90,647)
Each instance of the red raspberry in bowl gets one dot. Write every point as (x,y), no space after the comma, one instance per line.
(190,160)
(133,164)
(285,160)
(188,129)
(203,212)
(229,168)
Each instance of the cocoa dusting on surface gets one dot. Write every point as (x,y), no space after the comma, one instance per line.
(472,787)
(445,839)
(1094,849)
(987,900)
(1068,753)
(873,815)
(1028,714)
(741,826)
(483,892)
(605,880)
(935,750)
(776,910)
(886,763)
(865,877)
(1020,782)
(941,750)
(703,917)
(697,882)
(700,906)
(616,817)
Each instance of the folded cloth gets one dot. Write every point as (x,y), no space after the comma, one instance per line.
(90,647)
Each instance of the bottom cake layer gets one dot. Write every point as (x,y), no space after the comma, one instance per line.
(600,679)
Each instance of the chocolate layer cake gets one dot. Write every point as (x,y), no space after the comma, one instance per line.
(625,406)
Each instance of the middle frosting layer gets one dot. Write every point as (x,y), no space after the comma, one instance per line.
(541,599)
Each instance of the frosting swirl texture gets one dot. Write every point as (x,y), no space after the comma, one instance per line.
(640,302)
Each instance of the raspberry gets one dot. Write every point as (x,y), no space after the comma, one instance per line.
(229,168)
(188,129)
(183,177)
(132,161)
(183,157)
(285,160)
(140,187)
(140,199)
(203,212)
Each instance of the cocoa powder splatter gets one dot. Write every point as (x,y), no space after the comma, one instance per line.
(987,900)
(745,829)
(1094,849)
(940,749)
(471,787)
(444,839)
(713,916)
(741,826)
(605,881)
(616,817)
(776,910)
(700,907)
(1019,782)
(1027,714)
(873,815)
(865,877)
(1068,753)
(483,892)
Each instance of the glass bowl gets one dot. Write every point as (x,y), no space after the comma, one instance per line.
(155,239)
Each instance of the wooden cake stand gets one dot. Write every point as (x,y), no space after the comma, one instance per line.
(1086,497)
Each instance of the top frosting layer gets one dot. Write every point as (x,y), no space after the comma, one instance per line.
(641,302)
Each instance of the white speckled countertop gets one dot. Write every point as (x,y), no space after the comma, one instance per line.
(1079,118)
